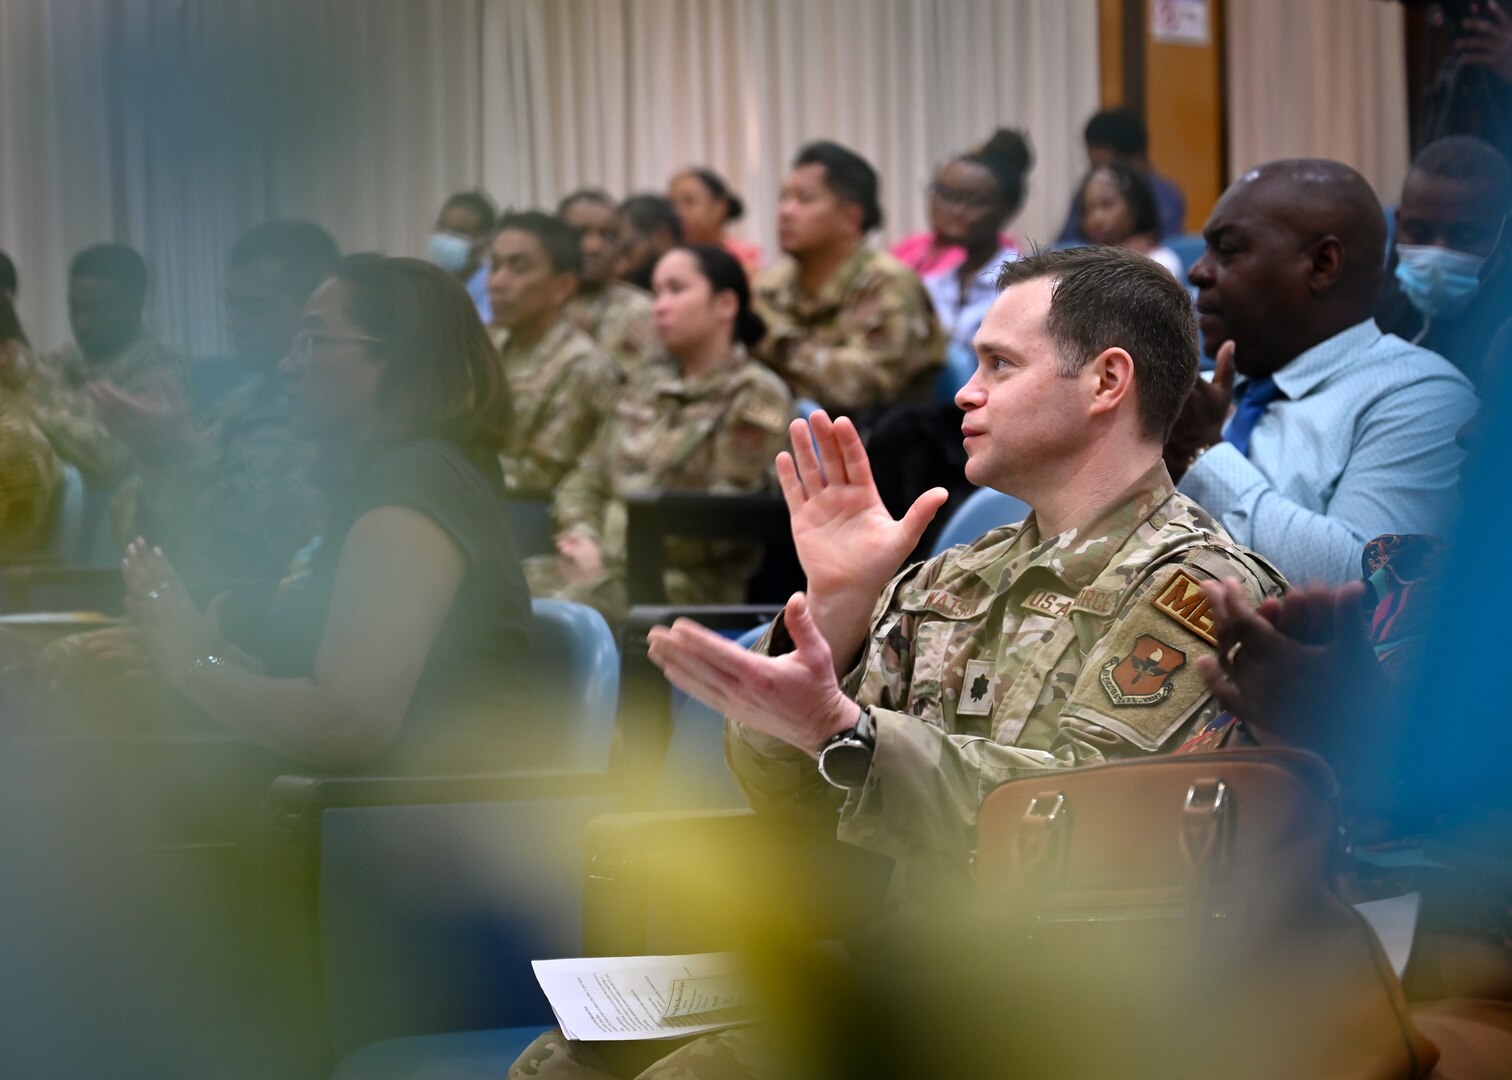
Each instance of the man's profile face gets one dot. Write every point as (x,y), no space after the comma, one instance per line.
(1448,212)
(1021,414)
(523,286)
(262,313)
(1253,277)
(809,215)
(602,238)
(103,317)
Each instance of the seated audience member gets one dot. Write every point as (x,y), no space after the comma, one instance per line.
(107,290)
(847,326)
(561,384)
(979,194)
(1043,645)
(459,244)
(930,253)
(704,417)
(616,315)
(1451,283)
(1340,432)
(705,206)
(232,498)
(649,228)
(399,633)
(30,473)
(1118,208)
(1120,135)
(918,446)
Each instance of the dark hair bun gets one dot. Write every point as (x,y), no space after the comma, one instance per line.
(750,328)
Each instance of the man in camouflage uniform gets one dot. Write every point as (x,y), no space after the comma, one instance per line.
(107,289)
(847,326)
(30,473)
(1067,639)
(561,383)
(614,314)
(716,431)
(233,498)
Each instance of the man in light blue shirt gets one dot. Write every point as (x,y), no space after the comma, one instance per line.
(1338,432)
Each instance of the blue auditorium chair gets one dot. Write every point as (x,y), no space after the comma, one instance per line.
(400,906)
(1188,248)
(983,509)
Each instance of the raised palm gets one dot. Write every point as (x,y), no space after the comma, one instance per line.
(845,538)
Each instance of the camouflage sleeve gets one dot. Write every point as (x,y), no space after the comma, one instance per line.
(580,500)
(1136,693)
(633,336)
(888,341)
(29,480)
(779,778)
(750,435)
(578,404)
(67,417)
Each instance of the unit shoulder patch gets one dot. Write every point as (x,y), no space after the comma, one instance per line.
(1143,677)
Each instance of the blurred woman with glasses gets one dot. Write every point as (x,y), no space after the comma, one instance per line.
(401,633)
(941,249)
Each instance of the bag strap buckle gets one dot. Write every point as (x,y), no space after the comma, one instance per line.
(1204,824)
(1036,843)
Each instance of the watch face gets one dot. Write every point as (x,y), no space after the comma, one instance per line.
(846,764)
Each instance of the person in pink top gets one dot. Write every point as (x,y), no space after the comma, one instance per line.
(706,205)
(926,253)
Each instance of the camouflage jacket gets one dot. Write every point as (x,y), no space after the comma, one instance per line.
(241,503)
(717,432)
(57,386)
(1013,654)
(31,477)
(561,391)
(618,317)
(868,339)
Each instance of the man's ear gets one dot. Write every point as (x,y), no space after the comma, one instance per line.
(1110,378)
(1328,257)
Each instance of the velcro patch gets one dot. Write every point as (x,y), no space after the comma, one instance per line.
(1182,598)
(1097,601)
(1047,602)
(1144,676)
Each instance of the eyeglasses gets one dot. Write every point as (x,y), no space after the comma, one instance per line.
(966,200)
(307,341)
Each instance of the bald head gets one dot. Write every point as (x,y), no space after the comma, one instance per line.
(1313,198)
(1295,255)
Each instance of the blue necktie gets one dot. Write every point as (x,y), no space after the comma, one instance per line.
(1253,399)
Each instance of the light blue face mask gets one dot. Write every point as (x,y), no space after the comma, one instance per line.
(1439,281)
(449,251)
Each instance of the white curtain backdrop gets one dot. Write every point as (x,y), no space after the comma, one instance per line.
(174,124)
(1319,78)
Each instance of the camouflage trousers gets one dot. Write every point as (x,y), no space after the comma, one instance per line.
(736,1054)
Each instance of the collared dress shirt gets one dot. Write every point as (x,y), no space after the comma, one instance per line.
(961,311)
(1362,443)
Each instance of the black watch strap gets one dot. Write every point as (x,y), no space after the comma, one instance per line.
(845,760)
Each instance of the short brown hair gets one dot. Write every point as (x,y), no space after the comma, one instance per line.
(443,378)
(1109,297)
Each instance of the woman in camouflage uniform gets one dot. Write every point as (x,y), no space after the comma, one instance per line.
(700,416)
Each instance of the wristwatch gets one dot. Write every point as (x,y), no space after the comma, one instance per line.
(846,759)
